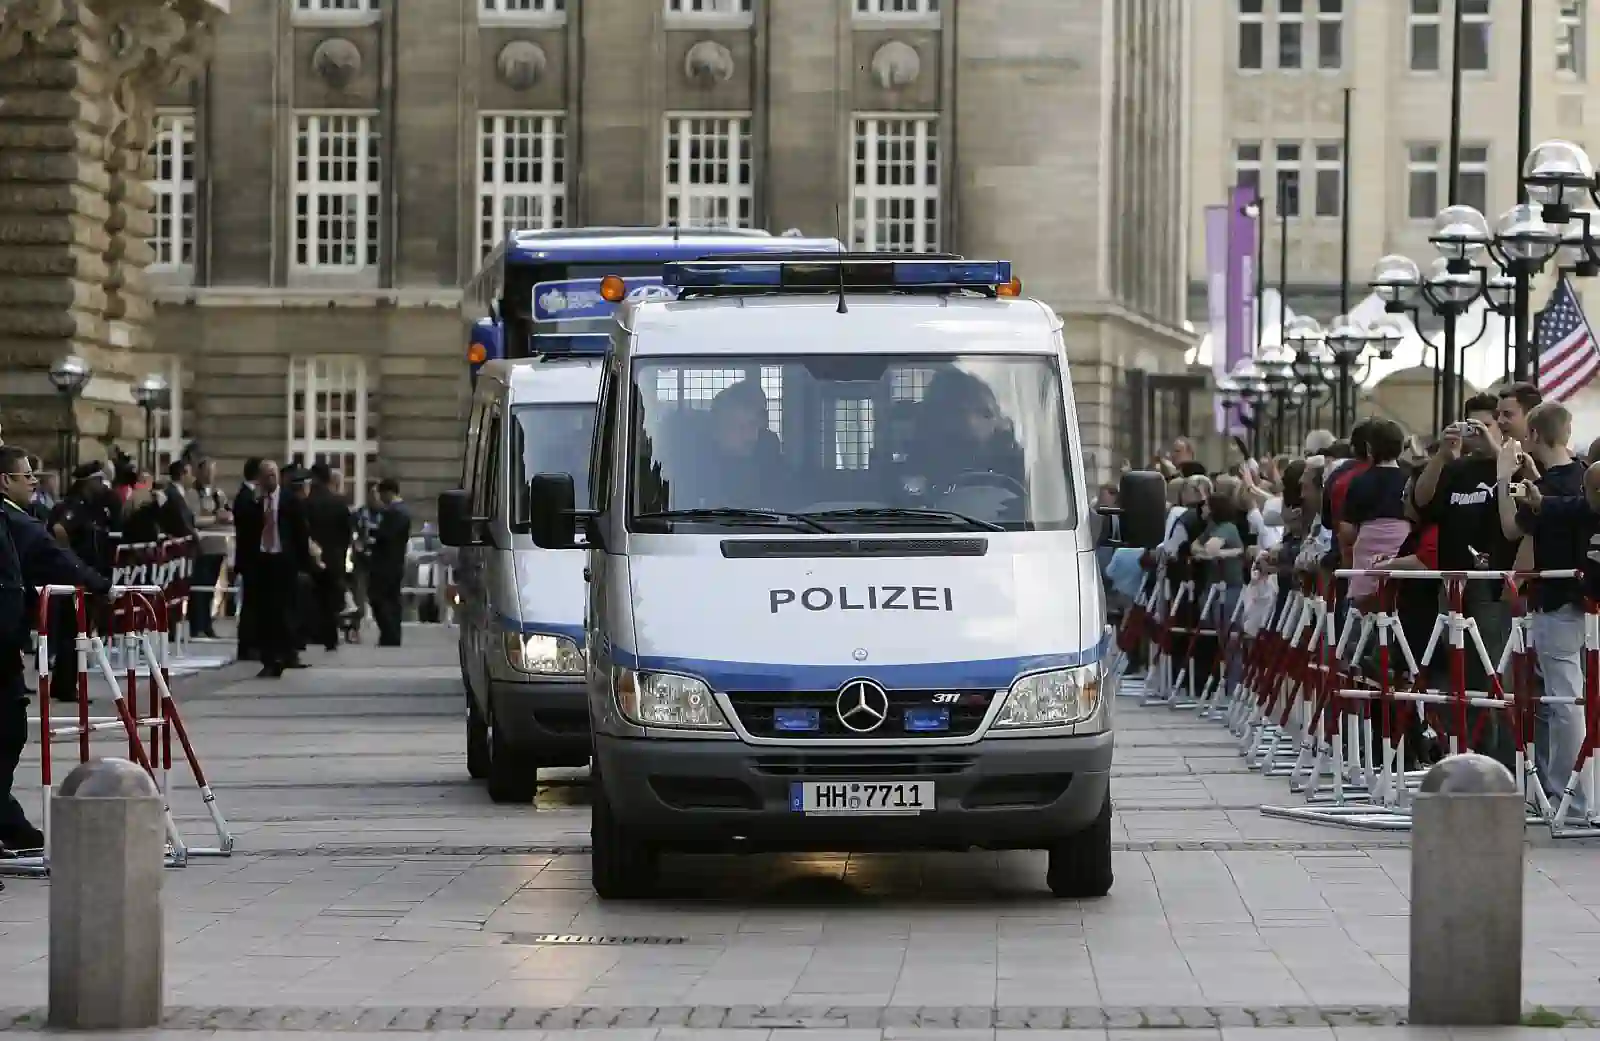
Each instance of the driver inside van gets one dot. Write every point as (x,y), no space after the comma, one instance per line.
(963,432)
(741,464)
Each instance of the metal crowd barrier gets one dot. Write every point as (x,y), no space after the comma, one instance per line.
(1297,686)
(140,633)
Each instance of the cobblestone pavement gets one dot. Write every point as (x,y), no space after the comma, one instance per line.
(376,888)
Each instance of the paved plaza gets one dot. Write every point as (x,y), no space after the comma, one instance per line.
(375,887)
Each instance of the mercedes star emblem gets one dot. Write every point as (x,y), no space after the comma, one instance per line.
(859,654)
(862,706)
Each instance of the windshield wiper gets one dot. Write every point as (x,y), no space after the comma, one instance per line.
(907,513)
(734,513)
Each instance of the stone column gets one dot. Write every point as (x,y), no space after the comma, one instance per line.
(78,86)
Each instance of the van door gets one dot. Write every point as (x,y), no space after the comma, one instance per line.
(602,485)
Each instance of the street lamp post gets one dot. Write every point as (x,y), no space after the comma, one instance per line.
(69,375)
(152,393)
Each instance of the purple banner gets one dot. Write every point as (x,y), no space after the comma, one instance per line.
(1217,301)
(1241,283)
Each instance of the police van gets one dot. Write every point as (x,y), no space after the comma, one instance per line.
(842,590)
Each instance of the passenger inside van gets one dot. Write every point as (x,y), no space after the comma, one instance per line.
(962,431)
(738,461)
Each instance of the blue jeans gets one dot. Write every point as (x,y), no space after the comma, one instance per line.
(1559,728)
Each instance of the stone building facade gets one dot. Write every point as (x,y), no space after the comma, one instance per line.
(326,185)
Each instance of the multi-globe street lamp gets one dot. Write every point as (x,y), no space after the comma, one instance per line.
(1477,263)
(152,393)
(69,375)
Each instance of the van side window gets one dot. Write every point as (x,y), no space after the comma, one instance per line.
(601,465)
(486,487)
(472,450)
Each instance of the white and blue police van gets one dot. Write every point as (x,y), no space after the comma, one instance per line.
(842,589)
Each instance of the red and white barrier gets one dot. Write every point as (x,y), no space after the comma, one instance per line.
(1325,694)
(140,632)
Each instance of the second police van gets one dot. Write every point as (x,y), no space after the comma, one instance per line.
(842,590)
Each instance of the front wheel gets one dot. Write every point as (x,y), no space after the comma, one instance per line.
(1080,865)
(621,866)
(478,754)
(513,771)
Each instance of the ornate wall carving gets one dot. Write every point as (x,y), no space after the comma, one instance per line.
(896,65)
(708,62)
(521,64)
(337,61)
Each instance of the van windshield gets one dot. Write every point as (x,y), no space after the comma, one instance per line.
(850,443)
(548,439)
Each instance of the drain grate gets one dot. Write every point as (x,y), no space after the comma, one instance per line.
(580,940)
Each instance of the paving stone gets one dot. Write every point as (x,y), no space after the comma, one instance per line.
(454,1018)
(1086,1018)
(176,1017)
(636,1016)
(706,1017)
(936,1016)
(228,1018)
(375,1019)
(561,1018)
(1126,1018)
(340,1019)
(599,1017)
(671,1016)
(973,1017)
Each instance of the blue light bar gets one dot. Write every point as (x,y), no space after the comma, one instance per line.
(825,272)
(585,344)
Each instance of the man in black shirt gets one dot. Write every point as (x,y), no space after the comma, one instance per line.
(1562,523)
(1456,491)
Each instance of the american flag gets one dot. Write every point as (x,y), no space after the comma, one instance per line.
(1568,354)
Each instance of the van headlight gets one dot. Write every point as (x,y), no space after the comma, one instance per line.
(665,699)
(1059,697)
(540,655)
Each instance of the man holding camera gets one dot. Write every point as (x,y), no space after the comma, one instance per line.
(1456,491)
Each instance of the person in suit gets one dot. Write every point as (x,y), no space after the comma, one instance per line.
(29,557)
(331,528)
(275,549)
(243,556)
(388,564)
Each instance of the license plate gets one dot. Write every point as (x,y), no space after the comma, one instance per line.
(861,798)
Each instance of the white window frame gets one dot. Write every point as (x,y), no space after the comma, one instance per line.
(721,13)
(1572,37)
(1478,168)
(899,12)
(1433,167)
(733,134)
(176,193)
(1256,20)
(1471,21)
(1420,20)
(1330,19)
(170,438)
(1297,19)
(869,186)
(1322,167)
(1288,167)
(1242,165)
(365,190)
(497,133)
(314,375)
(542,13)
(336,12)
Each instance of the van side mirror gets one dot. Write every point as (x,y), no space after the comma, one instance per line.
(553,515)
(457,526)
(1140,516)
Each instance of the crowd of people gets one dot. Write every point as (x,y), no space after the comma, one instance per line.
(1501,489)
(309,565)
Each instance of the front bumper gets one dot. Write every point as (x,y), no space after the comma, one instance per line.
(1010,793)
(547,719)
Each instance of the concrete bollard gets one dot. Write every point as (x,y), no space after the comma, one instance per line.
(1466,895)
(107,847)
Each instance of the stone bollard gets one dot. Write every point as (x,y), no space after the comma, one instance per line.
(107,853)
(1466,895)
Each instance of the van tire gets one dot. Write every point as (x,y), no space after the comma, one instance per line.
(1080,866)
(621,867)
(513,772)
(478,754)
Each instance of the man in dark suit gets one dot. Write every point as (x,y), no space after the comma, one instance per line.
(243,555)
(275,547)
(388,573)
(329,517)
(29,557)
